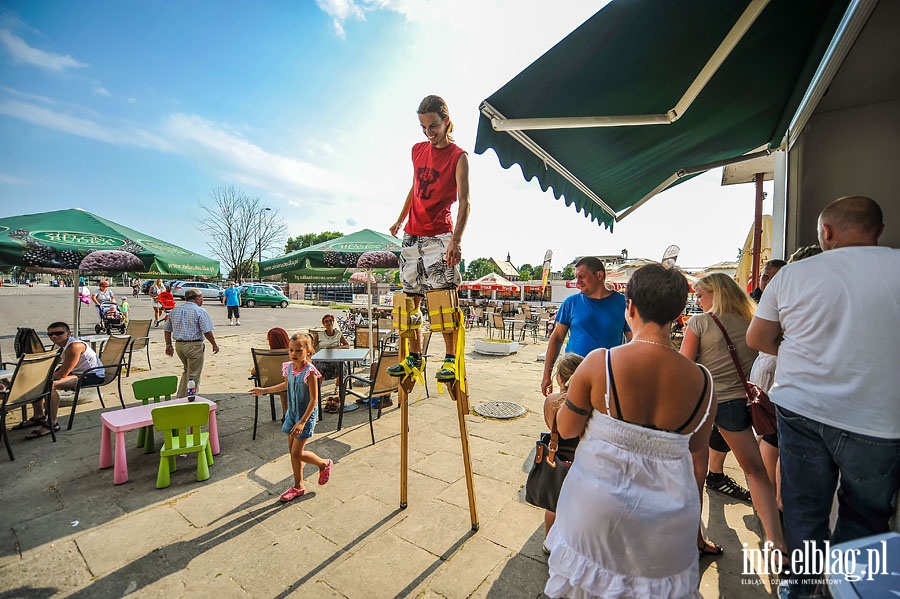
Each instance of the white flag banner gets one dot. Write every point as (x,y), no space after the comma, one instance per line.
(670,256)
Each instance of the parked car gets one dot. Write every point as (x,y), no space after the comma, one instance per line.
(262,295)
(210,290)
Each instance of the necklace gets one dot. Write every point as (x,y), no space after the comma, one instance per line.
(667,346)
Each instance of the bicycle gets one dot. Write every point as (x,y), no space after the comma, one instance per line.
(347,325)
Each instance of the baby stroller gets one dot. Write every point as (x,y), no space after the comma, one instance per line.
(167,301)
(110,317)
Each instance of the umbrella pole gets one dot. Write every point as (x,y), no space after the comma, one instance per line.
(757,232)
(369,294)
(76,306)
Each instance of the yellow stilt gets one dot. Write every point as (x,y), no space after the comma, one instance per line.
(445,315)
(462,409)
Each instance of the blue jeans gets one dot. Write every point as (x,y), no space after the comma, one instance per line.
(813,456)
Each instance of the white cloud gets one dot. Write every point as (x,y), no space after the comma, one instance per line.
(102,91)
(270,171)
(44,117)
(22,52)
(21,94)
(340,11)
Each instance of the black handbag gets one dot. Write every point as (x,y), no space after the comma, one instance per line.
(762,410)
(549,469)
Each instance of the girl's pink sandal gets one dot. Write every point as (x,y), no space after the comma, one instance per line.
(325,473)
(291,494)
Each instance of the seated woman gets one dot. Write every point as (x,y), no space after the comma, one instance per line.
(627,515)
(278,339)
(330,338)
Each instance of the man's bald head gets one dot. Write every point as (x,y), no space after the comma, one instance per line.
(849,221)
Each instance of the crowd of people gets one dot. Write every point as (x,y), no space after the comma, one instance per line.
(644,414)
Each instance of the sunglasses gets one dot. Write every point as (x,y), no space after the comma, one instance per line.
(56,333)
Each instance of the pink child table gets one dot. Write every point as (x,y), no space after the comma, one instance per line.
(119,421)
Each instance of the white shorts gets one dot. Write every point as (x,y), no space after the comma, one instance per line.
(423,264)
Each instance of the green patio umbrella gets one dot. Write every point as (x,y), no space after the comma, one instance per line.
(72,241)
(309,274)
(334,261)
(341,253)
(648,93)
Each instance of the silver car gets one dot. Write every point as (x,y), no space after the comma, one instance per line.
(209,290)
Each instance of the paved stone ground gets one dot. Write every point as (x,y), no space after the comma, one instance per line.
(67,531)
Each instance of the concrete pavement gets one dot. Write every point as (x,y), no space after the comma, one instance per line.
(67,531)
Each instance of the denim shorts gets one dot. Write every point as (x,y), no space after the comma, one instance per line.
(93,378)
(733,415)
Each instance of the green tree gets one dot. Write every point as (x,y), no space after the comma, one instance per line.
(480,267)
(304,241)
(527,272)
(569,273)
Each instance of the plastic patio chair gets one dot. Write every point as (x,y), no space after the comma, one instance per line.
(174,422)
(155,390)
(381,384)
(267,365)
(140,339)
(31,381)
(112,357)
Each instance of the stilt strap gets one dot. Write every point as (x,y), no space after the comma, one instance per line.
(460,355)
(411,371)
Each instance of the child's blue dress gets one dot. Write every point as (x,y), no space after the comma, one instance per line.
(298,398)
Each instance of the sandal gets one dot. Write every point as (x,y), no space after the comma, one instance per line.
(711,549)
(325,473)
(332,405)
(30,423)
(291,494)
(42,431)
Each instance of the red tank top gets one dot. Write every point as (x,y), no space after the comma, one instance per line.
(434,189)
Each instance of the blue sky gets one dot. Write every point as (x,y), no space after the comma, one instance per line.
(136,111)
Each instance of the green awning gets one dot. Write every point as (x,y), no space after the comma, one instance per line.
(341,253)
(69,240)
(310,274)
(663,108)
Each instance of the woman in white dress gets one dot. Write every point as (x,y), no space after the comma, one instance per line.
(628,510)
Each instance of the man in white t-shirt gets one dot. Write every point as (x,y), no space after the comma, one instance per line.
(833,320)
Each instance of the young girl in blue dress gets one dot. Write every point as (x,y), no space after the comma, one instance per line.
(301,383)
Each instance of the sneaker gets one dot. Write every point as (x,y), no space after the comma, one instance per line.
(291,494)
(231,324)
(325,473)
(399,370)
(237,324)
(447,372)
(726,485)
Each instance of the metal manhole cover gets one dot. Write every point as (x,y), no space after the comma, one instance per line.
(503,410)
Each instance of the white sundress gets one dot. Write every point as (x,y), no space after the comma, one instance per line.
(627,517)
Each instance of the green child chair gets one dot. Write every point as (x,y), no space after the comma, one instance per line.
(174,422)
(161,388)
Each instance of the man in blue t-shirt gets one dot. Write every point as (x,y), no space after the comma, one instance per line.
(232,297)
(593,319)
